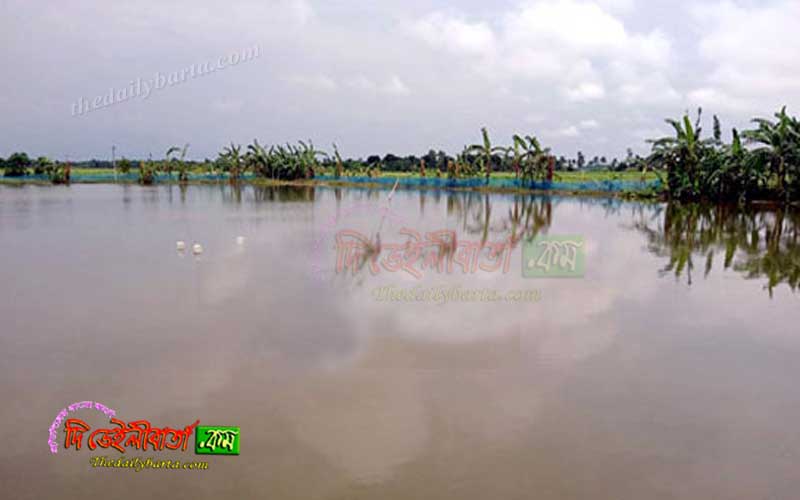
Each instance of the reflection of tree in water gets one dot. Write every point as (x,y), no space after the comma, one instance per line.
(757,242)
(281,194)
(527,216)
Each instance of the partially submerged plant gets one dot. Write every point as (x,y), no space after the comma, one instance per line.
(148,170)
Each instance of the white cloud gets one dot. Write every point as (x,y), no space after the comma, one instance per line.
(570,131)
(585,92)
(395,86)
(572,44)
(617,5)
(534,118)
(588,124)
(752,50)
(362,83)
(225,105)
(318,82)
(454,34)
(711,98)
(528,64)
(300,9)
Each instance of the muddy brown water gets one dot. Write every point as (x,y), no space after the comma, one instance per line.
(655,375)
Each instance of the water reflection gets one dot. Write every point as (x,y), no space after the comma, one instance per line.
(758,242)
(617,385)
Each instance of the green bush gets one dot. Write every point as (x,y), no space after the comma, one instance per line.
(17,165)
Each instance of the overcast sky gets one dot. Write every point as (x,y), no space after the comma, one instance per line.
(398,76)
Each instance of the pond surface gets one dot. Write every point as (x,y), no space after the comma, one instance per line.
(669,369)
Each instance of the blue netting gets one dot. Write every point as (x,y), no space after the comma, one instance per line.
(443,183)
(129,177)
(427,182)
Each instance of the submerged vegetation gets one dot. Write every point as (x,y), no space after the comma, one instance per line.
(760,163)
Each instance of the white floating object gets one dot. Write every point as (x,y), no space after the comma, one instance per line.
(240,240)
(197,249)
(181,246)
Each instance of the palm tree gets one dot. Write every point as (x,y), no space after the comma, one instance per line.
(485,152)
(781,144)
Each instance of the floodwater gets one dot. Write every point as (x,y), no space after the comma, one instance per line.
(668,370)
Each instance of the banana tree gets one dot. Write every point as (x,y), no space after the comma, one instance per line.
(534,160)
(485,152)
(235,161)
(464,164)
(780,141)
(308,158)
(515,153)
(682,156)
(147,171)
(173,158)
(338,159)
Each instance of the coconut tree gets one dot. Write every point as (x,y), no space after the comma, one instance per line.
(485,152)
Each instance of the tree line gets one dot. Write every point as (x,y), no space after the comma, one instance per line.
(762,162)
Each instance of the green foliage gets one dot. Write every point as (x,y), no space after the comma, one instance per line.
(709,168)
(17,165)
(486,152)
(287,162)
(59,172)
(530,159)
(148,170)
(124,165)
(779,150)
(233,162)
(175,158)
(338,158)
(42,165)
